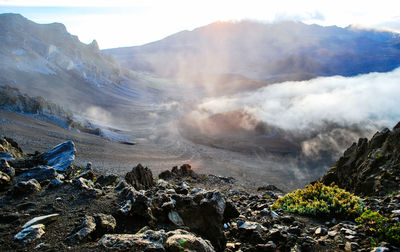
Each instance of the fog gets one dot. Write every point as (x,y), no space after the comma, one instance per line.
(313,121)
(368,100)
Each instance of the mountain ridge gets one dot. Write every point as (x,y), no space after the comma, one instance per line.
(255,50)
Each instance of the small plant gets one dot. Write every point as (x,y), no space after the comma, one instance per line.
(379,228)
(393,234)
(321,201)
(373,222)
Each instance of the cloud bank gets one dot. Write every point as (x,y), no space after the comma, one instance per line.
(368,101)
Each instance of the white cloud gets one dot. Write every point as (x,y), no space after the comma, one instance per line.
(364,100)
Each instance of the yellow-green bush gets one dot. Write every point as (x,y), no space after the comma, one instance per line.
(379,228)
(321,201)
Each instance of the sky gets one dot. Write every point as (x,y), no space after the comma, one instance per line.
(117,23)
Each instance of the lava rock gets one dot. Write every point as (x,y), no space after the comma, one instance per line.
(108,180)
(269,188)
(85,231)
(26,187)
(203,213)
(40,173)
(60,157)
(184,171)
(5,181)
(30,233)
(140,178)
(6,168)
(181,240)
(147,241)
(368,167)
(104,224)
(174,217)
(10,149)
(87,174)
(250,232)
(321,231)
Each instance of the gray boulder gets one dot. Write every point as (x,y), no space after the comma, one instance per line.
(30,233)
(147,241)
(60,157)
(85,231)
(181,240)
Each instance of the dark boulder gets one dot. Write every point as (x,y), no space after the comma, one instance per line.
(203,213)
(40,173)
(369,167)
(140,177)
(6,168)
(184,171)
(107,180)
(26,187)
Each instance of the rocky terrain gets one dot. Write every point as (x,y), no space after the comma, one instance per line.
(48,203)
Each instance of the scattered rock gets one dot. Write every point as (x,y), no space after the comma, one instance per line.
(147,241)
(30,233)
(321,231)
(184,171)
(351,246)
(85,230)
(104,224)
(181,240)
(26,187)
(380,249)
(10,147)
(120,186)
(40,173)
(87,174)
(6,168)
(140,178)
(5,181)
(84,184)
(175,218)
(55,183)
(108,180)
(269,188)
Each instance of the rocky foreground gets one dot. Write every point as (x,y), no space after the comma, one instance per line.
(49,204)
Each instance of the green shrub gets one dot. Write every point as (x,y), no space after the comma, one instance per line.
(379,228)
(321,201)
(373,222)
(393,234)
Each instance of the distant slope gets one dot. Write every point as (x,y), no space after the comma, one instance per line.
(45,60)
(263,51)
